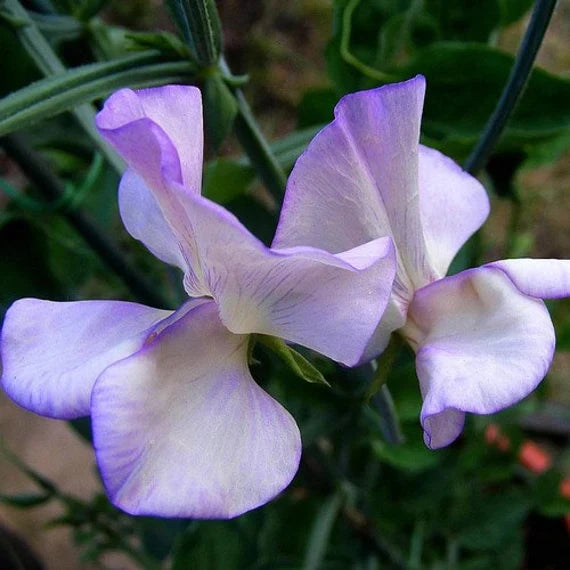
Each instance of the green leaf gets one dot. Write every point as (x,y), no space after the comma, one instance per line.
(209,545)
(464,83)
(465,21)
(513,10)
(164,42)
(17,70)
(25,501)
(296,362)
(547,497)
(220,109)
(317,106)
(491,520)
(199,23)
(412,456)
(58,93)
(226,179)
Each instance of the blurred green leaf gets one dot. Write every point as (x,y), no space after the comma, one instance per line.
(464,82)
(25,501)
(513,10)
(87,9)
(297,363)
(226,179)
(210,545)
(17,70)
(317,106)
(491,520)
(220,109)
(82,427)
(24,264)
(547,495)
(413,455)
(464,20)
(159,535)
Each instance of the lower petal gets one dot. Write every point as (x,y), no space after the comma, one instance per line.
(542,278)
(52,353)
(481,346)
(182,430)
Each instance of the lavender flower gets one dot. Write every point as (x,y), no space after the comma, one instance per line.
(483,338)
(180,427)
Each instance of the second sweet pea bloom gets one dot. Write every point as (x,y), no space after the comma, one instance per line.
(483,338)
(180,427)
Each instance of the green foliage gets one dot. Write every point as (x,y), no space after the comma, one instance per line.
(199,23)
(226,179)
(220,109)
(58,93)
(463,76)
(297,363)
(359,500)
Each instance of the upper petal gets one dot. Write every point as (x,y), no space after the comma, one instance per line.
(358,180)
(481,345)
(145,221)
(159,133)
(330,303)
(157,128)
(542,278)
(182,430)
(52,353)
(453,206)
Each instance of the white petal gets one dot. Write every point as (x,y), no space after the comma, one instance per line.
(453,206)
(182,430)
(52,353)
(177,112)
(481,346)
(145,221)
(541,278)
(330,303)
(358,180)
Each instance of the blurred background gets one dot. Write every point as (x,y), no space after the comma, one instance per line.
(498,497)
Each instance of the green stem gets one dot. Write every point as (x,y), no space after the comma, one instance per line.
(49,63)
(390,425)
(58,93)
(516,82)
(40,174)
(256,146)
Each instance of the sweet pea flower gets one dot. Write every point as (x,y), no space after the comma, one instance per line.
(483,338)
(180,427)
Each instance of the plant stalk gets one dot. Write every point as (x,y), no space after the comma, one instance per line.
(48,63)
(514,87)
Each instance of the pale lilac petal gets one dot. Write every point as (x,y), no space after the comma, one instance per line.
(182,430)
(541,278)
(453,206)
(481,346)
(153,157)
(394,318)
(52,352)
(330,303)
(358,180)
(145,221)
(177,112)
